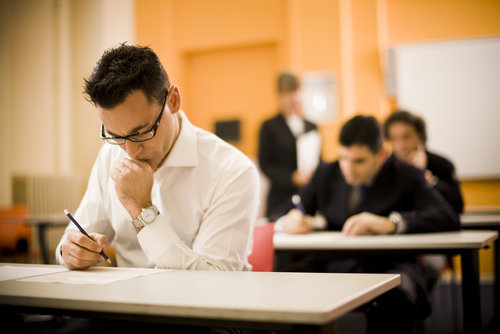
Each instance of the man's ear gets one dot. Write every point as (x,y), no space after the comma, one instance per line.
(174,99)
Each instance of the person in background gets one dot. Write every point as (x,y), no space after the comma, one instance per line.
(278,146)
(407,135)
(369,192)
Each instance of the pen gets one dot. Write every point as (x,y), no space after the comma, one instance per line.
(85,233)
(298,203)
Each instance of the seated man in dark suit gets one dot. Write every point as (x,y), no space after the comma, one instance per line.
(368,192)
(407,135)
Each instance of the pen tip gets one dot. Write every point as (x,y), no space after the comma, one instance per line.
(109,261)
(65,211)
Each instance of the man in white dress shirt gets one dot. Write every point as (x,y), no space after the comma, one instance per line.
(165,193)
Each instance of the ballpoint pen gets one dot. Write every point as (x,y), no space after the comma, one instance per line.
(297,202)
(85,233)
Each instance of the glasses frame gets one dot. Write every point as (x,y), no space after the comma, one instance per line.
(118,140)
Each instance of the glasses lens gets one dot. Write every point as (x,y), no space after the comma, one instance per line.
(114,141)
(143,136)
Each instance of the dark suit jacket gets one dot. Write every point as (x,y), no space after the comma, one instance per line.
(397,187)
(447,184)
(278,161)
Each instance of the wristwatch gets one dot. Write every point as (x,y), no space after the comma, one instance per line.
(147,216)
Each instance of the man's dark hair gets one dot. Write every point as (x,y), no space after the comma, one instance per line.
(287,82)
(406,117)
(124,69)
(362,130)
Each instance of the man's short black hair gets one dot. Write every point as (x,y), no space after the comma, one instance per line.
(406,117)
(124,69)
(362,130)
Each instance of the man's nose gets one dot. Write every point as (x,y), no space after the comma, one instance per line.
(133,149)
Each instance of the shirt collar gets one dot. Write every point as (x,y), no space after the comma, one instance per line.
(185,150)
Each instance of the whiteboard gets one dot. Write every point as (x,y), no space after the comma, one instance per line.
(455,87)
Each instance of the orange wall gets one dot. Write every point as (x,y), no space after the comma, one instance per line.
(225,54)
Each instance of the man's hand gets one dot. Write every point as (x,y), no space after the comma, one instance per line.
(80,252)
(368,223)
(297,223)
(418,158)
(300,179)
(133,184)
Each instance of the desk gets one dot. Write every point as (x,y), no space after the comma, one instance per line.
(465,243)
(260,300)
(490,221)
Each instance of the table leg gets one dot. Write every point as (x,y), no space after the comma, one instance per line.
(471,291)
(496,286)
(42,240)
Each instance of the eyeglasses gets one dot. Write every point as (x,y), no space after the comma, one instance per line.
(136,137)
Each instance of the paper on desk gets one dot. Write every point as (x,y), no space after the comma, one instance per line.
(308,150)
(15,272)
(95,275)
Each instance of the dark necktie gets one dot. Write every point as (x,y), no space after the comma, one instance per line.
(355,197)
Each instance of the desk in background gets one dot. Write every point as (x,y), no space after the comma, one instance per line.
(42,223)
(260,300)
(464,243)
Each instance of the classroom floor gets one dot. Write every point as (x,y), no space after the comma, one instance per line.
(446,317)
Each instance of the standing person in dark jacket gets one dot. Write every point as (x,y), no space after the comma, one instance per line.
(278,146)
(368,192)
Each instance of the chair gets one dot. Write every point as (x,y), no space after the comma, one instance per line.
(262,256)
(15,234)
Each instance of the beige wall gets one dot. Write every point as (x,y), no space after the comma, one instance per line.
(48,47)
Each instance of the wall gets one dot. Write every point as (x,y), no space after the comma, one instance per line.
(48,47)
(201,41)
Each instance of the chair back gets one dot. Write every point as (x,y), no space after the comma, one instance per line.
(262,256)
(15,234)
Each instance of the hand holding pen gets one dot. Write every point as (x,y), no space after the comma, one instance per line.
(298,222)
(88,236)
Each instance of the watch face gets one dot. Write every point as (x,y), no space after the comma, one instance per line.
(148,215)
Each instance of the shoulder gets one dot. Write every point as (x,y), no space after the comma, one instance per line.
(402,169)
(328,169)
(220,155)
(439,161)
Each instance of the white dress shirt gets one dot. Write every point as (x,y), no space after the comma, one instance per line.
(207,193)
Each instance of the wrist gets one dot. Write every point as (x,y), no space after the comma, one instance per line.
(399,223)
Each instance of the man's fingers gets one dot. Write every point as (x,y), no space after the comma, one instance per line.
(83,241)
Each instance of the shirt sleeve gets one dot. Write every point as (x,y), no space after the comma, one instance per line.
(90,214)
(224,237)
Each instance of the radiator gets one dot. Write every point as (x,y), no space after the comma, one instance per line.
(47,194)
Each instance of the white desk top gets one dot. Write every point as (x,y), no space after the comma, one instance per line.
(480,219)
(298,298)
(336,241)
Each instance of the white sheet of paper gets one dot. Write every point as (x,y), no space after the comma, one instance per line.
(308,151)
(15,272)
(94,275)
